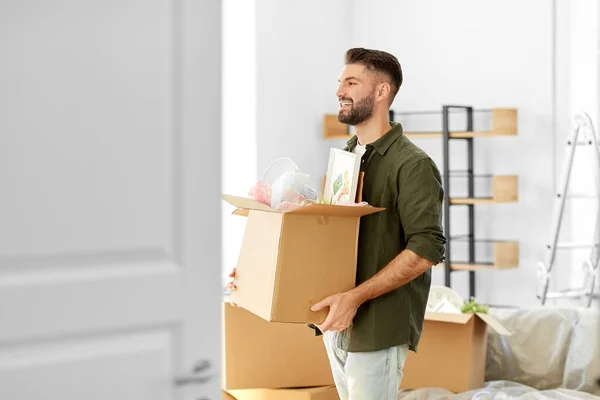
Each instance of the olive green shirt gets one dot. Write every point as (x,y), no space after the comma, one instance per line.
(403,179)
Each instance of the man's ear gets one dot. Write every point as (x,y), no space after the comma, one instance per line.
(383,91)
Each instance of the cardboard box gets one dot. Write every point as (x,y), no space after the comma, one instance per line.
(451,352)
(292,260)
(317,393)
(260,354)
(227,396)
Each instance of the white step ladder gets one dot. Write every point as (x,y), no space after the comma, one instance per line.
(582,135)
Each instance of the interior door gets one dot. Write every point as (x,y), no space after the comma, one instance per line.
(109,209)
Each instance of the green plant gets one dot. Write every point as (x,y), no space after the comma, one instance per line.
(472,306)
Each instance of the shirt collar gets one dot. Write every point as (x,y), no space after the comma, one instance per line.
(382,144)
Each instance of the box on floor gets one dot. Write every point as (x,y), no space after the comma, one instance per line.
(315,393)
(258,354)
(451,353)
(291,260)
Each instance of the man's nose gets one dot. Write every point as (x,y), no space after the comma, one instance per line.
(340,92)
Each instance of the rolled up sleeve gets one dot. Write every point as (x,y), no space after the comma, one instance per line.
(420,201)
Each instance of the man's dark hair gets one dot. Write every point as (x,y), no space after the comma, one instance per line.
(379,62)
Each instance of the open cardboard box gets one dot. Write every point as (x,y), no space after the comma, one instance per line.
(451,353)
(258,354)
(315,393)
(291,260)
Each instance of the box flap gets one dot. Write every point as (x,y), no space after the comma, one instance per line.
(320,389)
(336,211)
(448,317)
(242,212)
(494,324)
(309,393)
(227,396)
(246,203)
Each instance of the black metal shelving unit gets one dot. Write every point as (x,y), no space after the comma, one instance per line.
(471,193)
(469,174)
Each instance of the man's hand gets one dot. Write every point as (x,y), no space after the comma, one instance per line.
(342,309)
(231,285)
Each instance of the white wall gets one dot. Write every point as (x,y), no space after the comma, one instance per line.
(239,119)
(300,50)
(583,95)
(464,52)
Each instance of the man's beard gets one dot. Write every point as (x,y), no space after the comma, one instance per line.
(358,113)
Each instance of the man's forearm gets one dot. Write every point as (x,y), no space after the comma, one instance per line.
(405,267)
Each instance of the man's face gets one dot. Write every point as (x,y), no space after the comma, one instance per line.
(356,94)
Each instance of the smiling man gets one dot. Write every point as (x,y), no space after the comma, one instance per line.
(370,329)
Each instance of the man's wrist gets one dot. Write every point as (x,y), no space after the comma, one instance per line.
(358,295)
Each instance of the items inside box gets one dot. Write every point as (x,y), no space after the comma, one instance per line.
(286,191)
(289,190)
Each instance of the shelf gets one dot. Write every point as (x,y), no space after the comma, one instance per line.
(472,267)
(505,189)
(475,200)
(506,256)
(466,266)
(455,135)
(504,123)
(334,129)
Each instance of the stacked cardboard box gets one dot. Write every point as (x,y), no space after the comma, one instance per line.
(452,352)
(263,360)
(268,360)
(290,261)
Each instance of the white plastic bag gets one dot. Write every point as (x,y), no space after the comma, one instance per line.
(291,186)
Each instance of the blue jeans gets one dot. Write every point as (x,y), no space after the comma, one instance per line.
(366,375)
